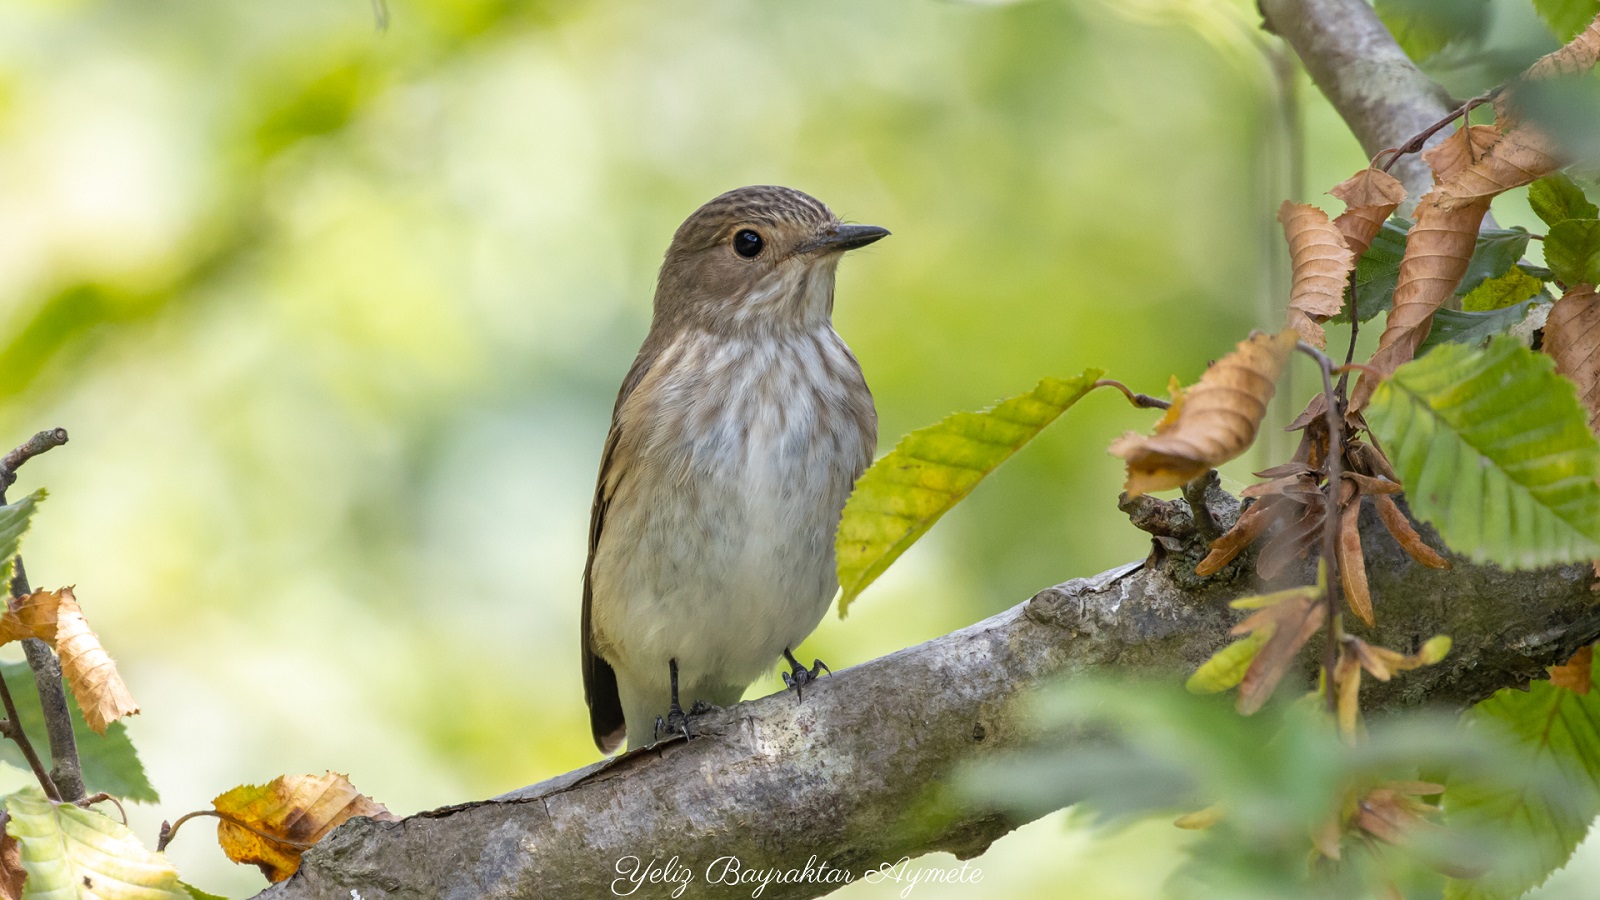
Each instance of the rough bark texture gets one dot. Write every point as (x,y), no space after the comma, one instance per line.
(777,783)
(1377,89)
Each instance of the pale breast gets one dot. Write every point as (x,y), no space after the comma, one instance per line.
(742,455)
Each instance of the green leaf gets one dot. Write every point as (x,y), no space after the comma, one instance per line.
(1494,449)
(1573,251)
(1424,27)
(1567,17)
(1497,251)
(1543,805)
(931,470)
(197,894)
(69,851)
(14,519)
(1502,291)
(1226,668)
(1557,198)
(1474,328)
(1378,270)
(110,762)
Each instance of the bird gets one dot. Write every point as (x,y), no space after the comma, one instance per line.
(735,440)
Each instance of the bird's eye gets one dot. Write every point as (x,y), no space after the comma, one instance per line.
(748,244)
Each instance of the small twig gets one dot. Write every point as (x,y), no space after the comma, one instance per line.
(1143,401)
(101,798)
(13,730)
(1330,521)
(1355,330)
(1417,142)
(39,443)
(168,832)
(1195,493)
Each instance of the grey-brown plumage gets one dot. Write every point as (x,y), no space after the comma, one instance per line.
(734,442)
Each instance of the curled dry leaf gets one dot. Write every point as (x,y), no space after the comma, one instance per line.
(1572,338)
(1391,812)
(1252,523)
(1438,249)
(1321,265)
(1574,674)
(1521,156)
(296,811)
(1411,542)
(56,618)
(1370,197)
(89,669)
(1218,420)
(1578,56)
(1353,563)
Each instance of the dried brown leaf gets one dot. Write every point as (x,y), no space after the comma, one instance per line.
(13,876)
(1438,249)
(1353,564)
(1252,522)
(1521,156)
(1219,419)
(1390,815)
(89,670)
(1293,622)
(1321,265)
(1369,485)
(1574,673)
(1572,338)
(1370,460)
(296,810)
(1314,411)
(1370,197)
(1578,56)
(1409,540)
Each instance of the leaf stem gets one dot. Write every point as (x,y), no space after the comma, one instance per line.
(1142,401)
(1421,138)
(168,832)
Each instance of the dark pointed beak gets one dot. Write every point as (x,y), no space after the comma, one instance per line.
(840,238)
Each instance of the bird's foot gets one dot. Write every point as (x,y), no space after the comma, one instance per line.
(800,676)
(677,720)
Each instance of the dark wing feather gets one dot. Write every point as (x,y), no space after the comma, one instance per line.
(606,722)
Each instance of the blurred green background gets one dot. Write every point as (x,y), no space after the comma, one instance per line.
(335,317)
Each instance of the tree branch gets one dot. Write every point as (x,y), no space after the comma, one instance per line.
(776,783)
(1358,66)
(66,772)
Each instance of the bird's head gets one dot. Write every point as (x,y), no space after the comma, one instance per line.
(758,258)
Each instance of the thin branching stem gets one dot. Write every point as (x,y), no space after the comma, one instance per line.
(1392,155)
(1330,521)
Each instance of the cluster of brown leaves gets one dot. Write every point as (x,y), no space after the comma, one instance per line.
(1291,507)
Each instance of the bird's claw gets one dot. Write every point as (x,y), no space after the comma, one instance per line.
(799,676)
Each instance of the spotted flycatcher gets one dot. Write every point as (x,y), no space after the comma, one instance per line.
(735,440)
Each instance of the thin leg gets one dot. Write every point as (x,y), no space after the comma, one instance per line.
(676,721)
(799,676)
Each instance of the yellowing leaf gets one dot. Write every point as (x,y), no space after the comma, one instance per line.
(1226,668)
(1221,415)
(1509,289)
(1321,266)
(296,811)
(71,852)
(931,470)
